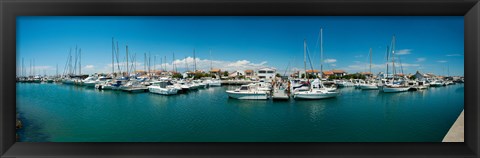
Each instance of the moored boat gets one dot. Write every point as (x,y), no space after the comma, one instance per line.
(247,92)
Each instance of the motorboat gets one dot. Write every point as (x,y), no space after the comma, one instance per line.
(162,87)
(90,81)
(249,91)
(369,86)
(437,83)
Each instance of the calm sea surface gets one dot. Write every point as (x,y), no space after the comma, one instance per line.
(66,113)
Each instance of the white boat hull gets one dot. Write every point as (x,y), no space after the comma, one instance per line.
(89,84)
(163,91)
(315,95)
(395,89)
(215,84)
(248,95)
(368,87)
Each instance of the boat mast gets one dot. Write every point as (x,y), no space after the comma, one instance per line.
(165,61)
(75,65)
(371,61)
(388,52)
(393,58)
(194,62)
(118,60)
(186,63)
(211,59)
(305,57)
(80,61)
(126,49)
(113,48)
(145,62)
(23,67)
(321,53)
(173,63)
(401,67)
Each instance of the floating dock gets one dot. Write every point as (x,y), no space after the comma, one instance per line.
(280,95)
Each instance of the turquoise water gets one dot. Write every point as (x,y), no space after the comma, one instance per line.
(66,113)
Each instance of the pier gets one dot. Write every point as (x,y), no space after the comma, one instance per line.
(456,132)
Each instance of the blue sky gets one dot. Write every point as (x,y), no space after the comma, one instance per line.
(431,44)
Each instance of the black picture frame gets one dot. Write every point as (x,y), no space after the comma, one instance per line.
(9,9)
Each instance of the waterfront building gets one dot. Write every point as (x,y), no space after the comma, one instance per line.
(339,73)
(367,74)
(235,74)
(266,73)
(216,72)
(327,74)
(314,72)
(419,76)
(249,74)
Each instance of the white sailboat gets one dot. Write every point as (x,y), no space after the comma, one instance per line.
(371,85)
(393,88)
(317,91)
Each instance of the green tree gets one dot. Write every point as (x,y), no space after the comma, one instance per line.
(177,75)
(277,75)
(225,73)
(413,77)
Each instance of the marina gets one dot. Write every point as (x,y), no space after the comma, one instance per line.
(239,79)
(210,115)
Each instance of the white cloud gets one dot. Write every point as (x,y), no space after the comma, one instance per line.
(330,60)
(403,52)
(421,59)
(442,61)
(454,55)
(201,64)
(89,67)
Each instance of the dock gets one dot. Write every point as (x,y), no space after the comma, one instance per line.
(456,132)
(280,95)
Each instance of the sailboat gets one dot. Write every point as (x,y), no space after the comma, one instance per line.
(392,88)
(316,90)
(369,85)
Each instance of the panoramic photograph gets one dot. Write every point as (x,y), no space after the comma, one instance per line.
(239,78)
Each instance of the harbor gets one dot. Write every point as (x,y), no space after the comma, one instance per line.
(92,115)
(239,79)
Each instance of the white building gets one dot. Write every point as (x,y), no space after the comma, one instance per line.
(266,73)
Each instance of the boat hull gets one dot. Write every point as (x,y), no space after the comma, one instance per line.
(162,91)
(314,95)
(395,89)
(368,87)
(248,95)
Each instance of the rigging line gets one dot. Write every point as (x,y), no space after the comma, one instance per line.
(309,60)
